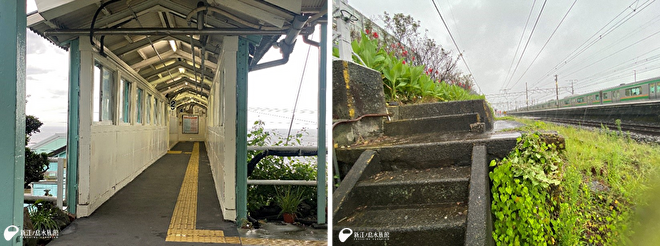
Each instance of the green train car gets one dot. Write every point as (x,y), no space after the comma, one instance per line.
(638,91)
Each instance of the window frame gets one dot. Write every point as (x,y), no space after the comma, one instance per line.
(103,66)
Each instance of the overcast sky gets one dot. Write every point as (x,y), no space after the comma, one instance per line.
(272,92)
(488,33)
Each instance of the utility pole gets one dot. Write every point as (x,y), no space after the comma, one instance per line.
(635,75)
(343,29)
(557,90)
(526,95)
(572,88)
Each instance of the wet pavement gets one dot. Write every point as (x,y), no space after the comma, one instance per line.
(278,229)
(501,125)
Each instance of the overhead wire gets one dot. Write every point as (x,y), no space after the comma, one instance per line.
(545,44)
(580,49)
(295,105)
(460,54)
(522,54)
(529,16)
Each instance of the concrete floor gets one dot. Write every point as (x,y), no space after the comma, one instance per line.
(141,212)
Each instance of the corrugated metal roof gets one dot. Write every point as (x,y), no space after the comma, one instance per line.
(136,50)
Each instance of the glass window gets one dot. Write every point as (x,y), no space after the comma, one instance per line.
(104,85)
(605,95)
(580,99)
(147,112)
(125,101)
(156,111)
(140,93)
(597,97)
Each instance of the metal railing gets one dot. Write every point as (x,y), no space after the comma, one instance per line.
(59,200)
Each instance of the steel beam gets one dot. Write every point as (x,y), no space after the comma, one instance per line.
(12,107)
(73,127)
(321,191)
(164,31)
(241,129)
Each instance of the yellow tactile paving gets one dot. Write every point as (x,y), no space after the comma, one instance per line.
(174,151)
(184,218)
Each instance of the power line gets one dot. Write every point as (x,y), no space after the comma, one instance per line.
(531,10)
(580,49)
(528,39)
(460,54)
(546,43)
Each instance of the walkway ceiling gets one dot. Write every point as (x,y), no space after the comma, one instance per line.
(154,37)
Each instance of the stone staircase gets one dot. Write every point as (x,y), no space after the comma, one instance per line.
(412,174)
(424,182)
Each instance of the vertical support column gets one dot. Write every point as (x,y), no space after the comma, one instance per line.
(73,127)
(345,49)
(241,129)
(322,152)
(12,108)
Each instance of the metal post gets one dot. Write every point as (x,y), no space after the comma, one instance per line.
(60,183)
(345,49)
(73,127)
(321,160)
(557,91)
(526,95)
(12,107)
(241,129)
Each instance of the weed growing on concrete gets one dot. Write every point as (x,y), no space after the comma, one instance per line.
(605,185)
(523,184)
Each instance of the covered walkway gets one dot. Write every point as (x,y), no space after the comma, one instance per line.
(145,76)
(172,201)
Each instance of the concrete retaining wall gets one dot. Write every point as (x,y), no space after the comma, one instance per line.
(640,113)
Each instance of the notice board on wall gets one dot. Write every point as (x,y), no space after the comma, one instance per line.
(190,124)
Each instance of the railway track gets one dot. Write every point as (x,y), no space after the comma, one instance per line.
(653,130)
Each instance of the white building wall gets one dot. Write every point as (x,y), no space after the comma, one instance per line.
(221,130)
(112,154)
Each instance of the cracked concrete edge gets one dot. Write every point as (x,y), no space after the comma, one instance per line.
(342,203)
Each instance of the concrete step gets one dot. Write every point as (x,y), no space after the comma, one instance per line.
(438,124)
(415,187)
(438,224)
(409,153)
(416,111)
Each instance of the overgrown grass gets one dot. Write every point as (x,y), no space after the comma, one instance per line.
(606,187)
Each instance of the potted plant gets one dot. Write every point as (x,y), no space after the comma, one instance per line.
(289,201)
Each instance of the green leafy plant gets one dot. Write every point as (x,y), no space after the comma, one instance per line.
(403,81)
(45,216)
(277,167)
(288,200)
(522,187)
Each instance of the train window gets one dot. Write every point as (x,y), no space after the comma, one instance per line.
(580,99)
(597,97)
(634,91)
(652,89)
(567,101)
(605,95)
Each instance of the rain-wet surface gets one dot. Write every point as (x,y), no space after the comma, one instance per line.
(501,125)
(441,137)
(280,230)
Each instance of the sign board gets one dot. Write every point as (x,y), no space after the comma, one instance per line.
(190,124)
(172,103)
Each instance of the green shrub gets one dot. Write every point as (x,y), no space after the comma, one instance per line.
(404,82)
(277,167)
(523,185)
